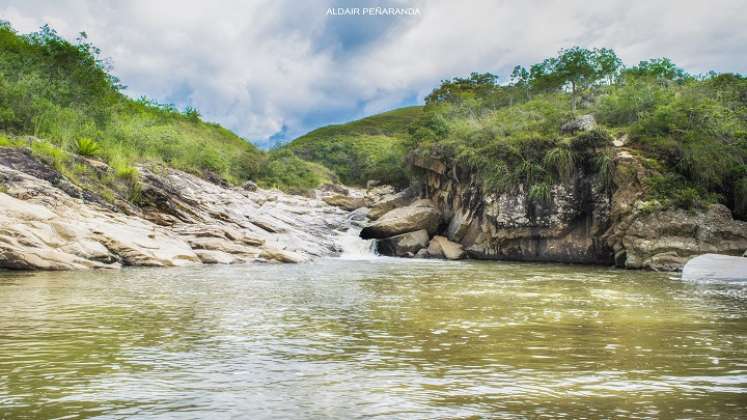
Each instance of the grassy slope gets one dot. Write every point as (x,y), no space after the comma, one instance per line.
(62,93)
(369,148)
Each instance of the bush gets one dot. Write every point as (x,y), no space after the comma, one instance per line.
(85,146)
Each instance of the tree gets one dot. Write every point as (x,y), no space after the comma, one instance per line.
(520,79)
(661,69)
(578,67)
(609,64)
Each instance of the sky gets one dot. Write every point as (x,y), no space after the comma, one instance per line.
(273,70)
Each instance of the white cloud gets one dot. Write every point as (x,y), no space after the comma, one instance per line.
(259,66)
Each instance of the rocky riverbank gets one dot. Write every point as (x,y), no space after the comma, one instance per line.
(49,223)
(586,221)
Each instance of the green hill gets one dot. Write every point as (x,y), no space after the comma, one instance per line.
(370,148)
(62,94)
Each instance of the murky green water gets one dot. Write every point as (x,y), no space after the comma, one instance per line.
(385,338)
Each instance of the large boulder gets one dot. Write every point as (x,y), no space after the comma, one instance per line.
(404,244)
(419,215)
(715,267)
(582,123)
(441,247)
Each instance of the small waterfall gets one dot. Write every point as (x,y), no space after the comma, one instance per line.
(355,248)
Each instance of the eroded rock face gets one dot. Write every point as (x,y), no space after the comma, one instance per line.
(644,236)
(390,201)
(183,220)
(511,227)
(583,223)
(419,215)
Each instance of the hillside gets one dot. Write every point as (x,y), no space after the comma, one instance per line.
(59,99)
(362,150)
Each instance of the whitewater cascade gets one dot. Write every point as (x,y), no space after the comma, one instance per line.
(355,248)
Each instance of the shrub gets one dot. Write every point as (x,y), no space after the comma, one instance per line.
(86,146)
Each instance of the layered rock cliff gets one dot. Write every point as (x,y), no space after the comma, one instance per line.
(47,222)
(584,222)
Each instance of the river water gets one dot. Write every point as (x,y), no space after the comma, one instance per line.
(346,338)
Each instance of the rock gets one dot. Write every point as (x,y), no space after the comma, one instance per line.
(423,253)
(442,247)
(345,201)
(280,255)
(621,141)
(216,257)
(433,165)
(181,220)
(250,186)
(372,183)
(400,245)
(715,267)
(419,215)
(335,188)
(582,123)
(390,202)
(664,240)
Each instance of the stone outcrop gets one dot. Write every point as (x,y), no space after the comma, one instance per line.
(509,226)
(643,235)
(345,202)
(421,214)
(582,223)
(46,222)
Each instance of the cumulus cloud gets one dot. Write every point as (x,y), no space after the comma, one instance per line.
(271,70)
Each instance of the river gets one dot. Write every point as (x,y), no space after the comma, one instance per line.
(390,338)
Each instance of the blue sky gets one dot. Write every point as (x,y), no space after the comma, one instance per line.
(272,70)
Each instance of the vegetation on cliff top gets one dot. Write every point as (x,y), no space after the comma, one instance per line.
(692,130)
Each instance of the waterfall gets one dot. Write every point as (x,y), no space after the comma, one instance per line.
(355,248)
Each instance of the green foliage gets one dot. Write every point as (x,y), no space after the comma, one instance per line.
(604,165)
(691,130)
(540,193)
(366,149)
(86,146)
(286,171)
(561,159)
(63,92)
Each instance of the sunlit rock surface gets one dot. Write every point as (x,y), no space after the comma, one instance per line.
(47,223)
(715,267)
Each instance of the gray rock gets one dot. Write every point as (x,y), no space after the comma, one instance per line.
(419,215)
(582,123)
(401,245)
(250,186)
(390,202)
(715,267)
